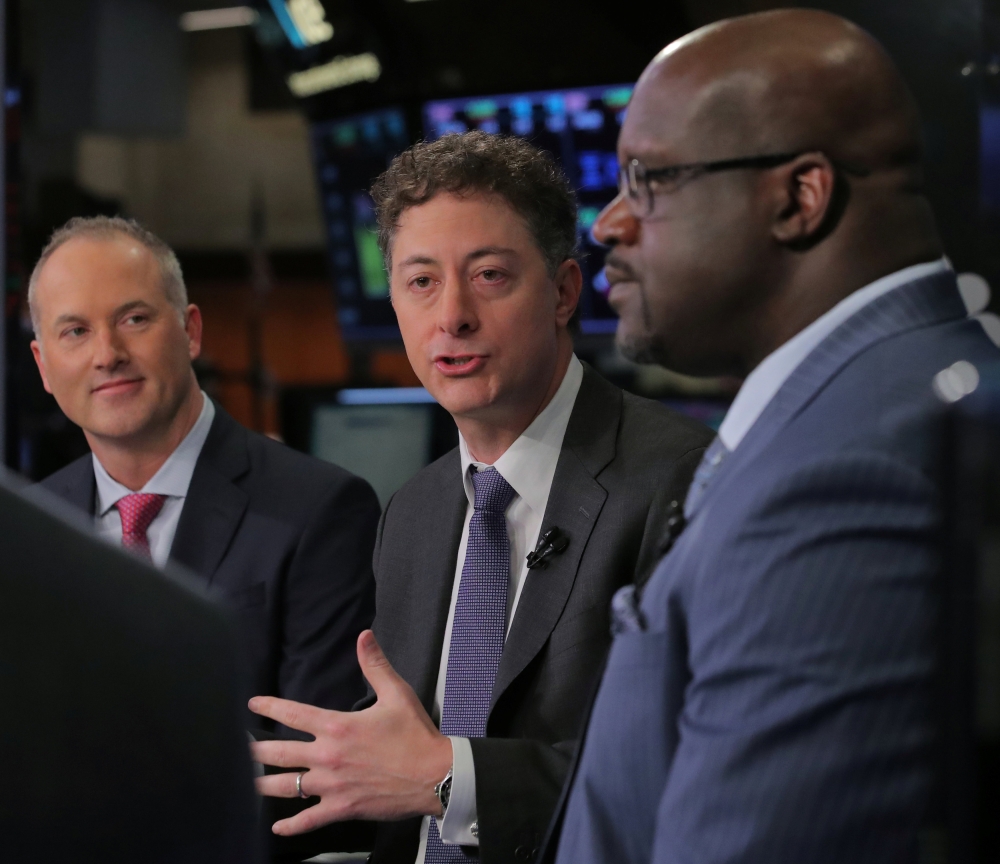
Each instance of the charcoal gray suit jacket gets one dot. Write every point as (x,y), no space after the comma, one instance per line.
(285,541)
(624,459)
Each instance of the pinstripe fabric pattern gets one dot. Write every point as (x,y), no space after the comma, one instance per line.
(710,464)
(773,705)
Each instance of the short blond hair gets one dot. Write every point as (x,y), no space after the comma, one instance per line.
(107,228)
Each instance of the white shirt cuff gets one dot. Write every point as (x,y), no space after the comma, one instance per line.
(459,823)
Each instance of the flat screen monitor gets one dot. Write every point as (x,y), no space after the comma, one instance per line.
(580,128)
(349,153)
(383,434)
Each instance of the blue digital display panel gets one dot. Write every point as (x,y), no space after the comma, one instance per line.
(349,154)
(580,128)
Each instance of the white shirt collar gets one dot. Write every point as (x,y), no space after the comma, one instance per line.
(529,464)
(174,476)
(764,382)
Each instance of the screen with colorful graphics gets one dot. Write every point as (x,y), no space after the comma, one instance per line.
(580,128)
(349,154)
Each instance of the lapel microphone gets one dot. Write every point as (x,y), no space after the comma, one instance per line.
(552,542)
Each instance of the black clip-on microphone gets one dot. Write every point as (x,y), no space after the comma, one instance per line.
(552,542)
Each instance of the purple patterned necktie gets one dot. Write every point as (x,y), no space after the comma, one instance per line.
(478,630)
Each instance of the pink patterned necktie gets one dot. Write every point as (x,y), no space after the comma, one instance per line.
(138,512)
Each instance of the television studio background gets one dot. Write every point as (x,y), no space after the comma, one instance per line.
(246,136)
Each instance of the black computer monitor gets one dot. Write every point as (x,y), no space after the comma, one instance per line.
(349,153)
(579,126)
(384,434)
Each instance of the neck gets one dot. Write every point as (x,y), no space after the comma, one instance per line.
(818,284)
(133,461)
(488,438)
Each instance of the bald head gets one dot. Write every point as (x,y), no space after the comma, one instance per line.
(712,270)
(789,81)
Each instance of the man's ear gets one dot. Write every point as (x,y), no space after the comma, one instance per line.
(36,351)
(569,283)
(193,326)
(807,194)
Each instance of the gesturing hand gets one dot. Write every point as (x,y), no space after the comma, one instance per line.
(380,763)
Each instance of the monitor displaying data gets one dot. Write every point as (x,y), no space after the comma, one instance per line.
(349,154)
(580,128)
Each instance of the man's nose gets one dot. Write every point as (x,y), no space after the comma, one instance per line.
(616,225)
(110,349)
(457,308)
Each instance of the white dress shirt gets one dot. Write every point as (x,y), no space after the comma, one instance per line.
(760,385)
(528,465)
(172,480)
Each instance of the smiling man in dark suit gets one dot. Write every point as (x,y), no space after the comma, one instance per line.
(283,538)
(488,660)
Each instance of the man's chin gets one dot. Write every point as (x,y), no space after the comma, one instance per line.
(638,347)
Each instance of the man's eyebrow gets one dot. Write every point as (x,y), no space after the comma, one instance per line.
(417,259)
(77,318)
(490,250)
(129,307)
(486,251)
(482,252)
(69,318)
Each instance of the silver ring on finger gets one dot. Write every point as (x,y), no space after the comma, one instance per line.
(298,785)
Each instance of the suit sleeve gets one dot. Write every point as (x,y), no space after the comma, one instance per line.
(330,599)
(806,725)
(517,787)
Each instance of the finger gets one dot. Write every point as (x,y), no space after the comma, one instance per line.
(375,666)
(282,754)
(308,820)
(294,715)
(282,785)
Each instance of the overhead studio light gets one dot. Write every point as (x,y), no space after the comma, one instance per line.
(219,19)
(304,21)
(339,72)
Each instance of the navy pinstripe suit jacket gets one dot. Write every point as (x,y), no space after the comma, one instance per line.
(777,705)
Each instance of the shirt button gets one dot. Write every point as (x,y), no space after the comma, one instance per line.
(522,853)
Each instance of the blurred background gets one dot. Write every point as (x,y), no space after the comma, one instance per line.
(247,135)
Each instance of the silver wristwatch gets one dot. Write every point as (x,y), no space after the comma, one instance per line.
(443,792)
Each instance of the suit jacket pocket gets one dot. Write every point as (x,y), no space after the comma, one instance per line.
(247,596)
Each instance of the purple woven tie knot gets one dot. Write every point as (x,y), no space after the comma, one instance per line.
(478,629)
(493,493)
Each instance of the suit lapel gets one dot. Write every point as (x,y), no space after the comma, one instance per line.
(574,505)
(77,485)
(214,506)
(922,303)
(433,578)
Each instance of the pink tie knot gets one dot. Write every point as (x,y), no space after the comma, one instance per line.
(138,512)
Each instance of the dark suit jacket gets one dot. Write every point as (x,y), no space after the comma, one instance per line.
(285,540)
(623,460)
(121,732)
(774,701)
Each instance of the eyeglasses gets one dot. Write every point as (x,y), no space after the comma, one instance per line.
(639,185)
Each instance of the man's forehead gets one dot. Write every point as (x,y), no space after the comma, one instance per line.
(687,112)
(459,223)
(81,258)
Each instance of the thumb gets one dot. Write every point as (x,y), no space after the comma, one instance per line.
(375,666)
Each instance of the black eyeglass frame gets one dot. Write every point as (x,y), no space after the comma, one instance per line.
(634,173)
